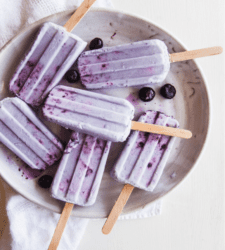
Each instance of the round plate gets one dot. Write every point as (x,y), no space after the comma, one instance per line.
(190,107)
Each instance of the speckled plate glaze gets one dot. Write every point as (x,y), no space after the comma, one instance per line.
(190,107)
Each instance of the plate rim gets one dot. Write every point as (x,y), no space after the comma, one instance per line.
(169,33)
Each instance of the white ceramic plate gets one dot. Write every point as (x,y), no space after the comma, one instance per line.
(190,107)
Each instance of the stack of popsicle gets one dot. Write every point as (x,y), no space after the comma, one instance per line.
(94,114)
(97,119)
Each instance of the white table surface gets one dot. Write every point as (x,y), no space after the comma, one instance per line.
(193,213)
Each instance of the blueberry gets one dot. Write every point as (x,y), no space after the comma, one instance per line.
(168,91)
(45,181)
(96,43)
(146,94)
(72,76)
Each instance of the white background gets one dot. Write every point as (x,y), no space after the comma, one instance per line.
(193,214)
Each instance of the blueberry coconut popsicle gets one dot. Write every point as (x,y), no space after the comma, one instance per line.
(102,116)
(53,52)
(141,162)
(99,115)
(136,64)
(25,135)
(79,175)
(80,171)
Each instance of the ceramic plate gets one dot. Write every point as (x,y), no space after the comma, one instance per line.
(190,107)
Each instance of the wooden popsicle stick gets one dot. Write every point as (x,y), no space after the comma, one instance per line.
(192,54)
(61,226)
(163,130)
(78,15)
(117,208)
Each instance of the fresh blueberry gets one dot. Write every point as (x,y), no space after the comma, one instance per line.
(45,181)
(96,43)
(168,91)
(146,94)
(72,76)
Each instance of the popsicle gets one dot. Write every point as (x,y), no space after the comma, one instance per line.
(79,174)
(53,52)
(24,134)
(102,116)
(141,162)
(136,64)
(92,113)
